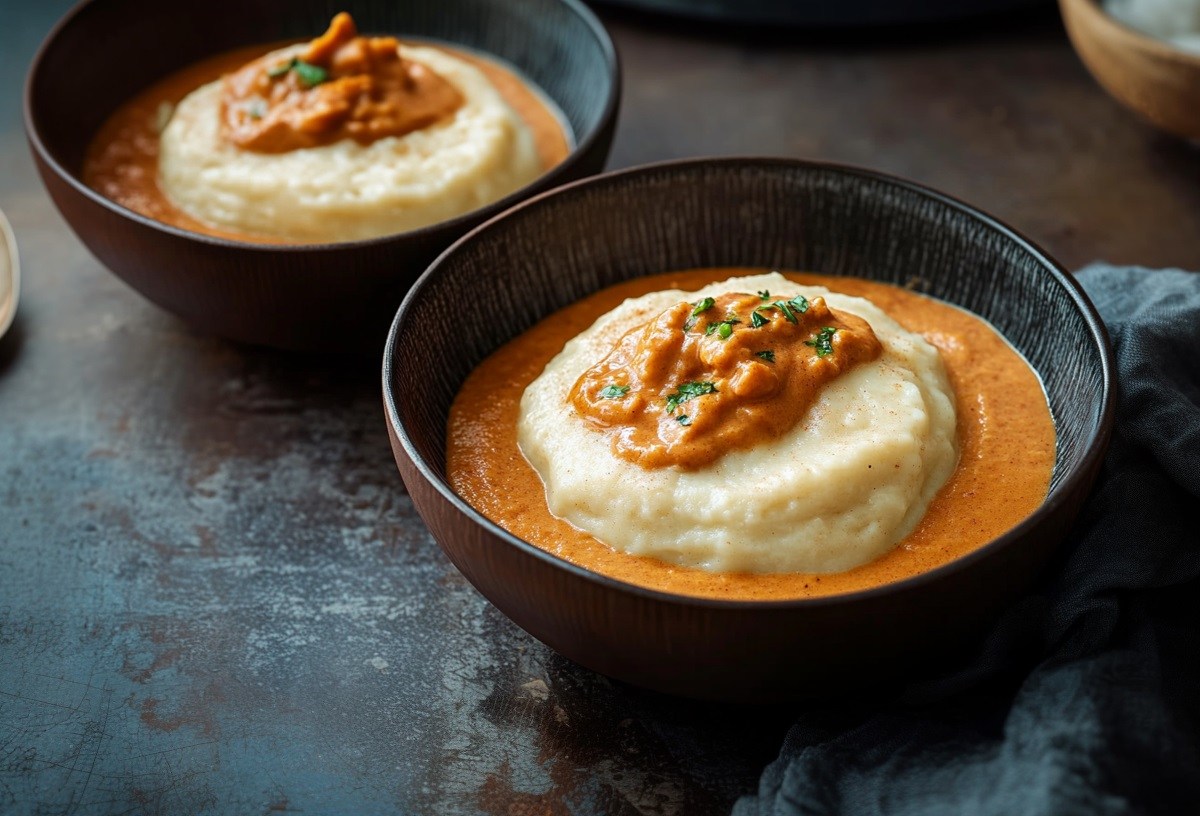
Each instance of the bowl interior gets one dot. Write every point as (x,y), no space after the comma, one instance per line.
(107,51)
(517,268)
(1125,34)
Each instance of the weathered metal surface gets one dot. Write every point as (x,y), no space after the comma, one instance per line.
(214,594)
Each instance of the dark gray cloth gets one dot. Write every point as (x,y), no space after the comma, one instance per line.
(1085,697)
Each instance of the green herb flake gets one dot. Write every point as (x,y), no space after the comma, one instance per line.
(684,419)
(703,306)
(687,391)
(614,391)
(757,321)
(310,75)
(724,328)
(786,308)
(764,294)
(823,341)
(767,355)
(799,303)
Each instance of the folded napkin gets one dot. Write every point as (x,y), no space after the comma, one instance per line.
(1085,697)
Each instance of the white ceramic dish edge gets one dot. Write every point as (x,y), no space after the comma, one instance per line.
(10,275)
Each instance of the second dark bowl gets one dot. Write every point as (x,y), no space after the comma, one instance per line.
(773,213)
(321,297)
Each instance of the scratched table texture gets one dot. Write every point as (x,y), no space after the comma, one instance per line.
(215,596)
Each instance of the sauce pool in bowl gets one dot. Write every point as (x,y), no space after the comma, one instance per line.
(1005,433)
(123,160)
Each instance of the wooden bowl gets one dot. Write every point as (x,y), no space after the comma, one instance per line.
(1145,74)
(329,296)
(558,247)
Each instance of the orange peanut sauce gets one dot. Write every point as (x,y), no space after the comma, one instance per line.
(736,370)
(121,162)
(342,86)
(1005,431)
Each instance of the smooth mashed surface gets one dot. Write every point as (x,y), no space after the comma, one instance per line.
(122,161)
(348,191)
(1005,434)
(836,490)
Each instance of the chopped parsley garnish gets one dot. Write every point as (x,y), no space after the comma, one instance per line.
(310,75)
(823,341)
(687,391)
(757,321)
(684,419)
(614,391)
(701,306)
(723,329)
(764,294)
(767,355)
(790,308)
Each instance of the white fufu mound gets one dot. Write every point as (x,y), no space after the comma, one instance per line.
(840,489)
(346,191)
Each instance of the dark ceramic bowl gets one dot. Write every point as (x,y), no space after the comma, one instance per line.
(329,296)
(775,213)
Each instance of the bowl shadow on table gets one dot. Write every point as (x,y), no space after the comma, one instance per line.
(715,751)
(1178,161)
(603,732)
(10,343)
(254,404)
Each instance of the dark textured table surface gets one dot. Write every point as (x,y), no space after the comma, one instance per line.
(215,596)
